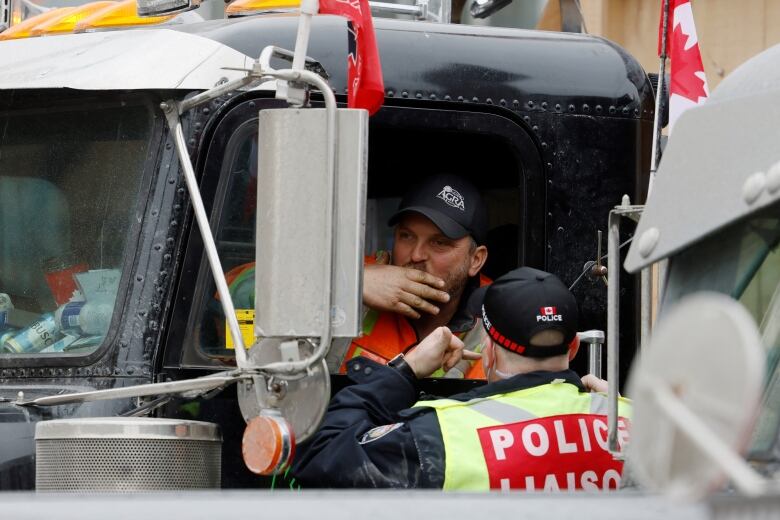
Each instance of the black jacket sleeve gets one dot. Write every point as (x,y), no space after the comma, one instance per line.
(362,441)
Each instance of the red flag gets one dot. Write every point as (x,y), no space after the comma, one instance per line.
(366,88)
(688,86)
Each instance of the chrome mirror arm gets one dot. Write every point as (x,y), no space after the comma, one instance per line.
(172,109)
(199,386)
(261,70)
(613,315)
(186,387)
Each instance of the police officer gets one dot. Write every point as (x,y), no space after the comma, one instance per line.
(533,427)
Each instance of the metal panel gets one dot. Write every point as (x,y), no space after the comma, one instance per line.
(292,226)
(715,170)
(118,60)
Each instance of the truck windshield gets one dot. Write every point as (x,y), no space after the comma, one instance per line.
(69,183)
(743,261)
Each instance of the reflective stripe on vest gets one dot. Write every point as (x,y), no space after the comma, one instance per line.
(549,437)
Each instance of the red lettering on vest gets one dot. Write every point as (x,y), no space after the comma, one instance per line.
(562,452)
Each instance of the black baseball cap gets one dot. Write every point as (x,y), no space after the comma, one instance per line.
(522,303)
(450,202)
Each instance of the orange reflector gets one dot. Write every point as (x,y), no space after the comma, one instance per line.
(250,7)
(268,445)
(24,29)
(66,24)
(119,15)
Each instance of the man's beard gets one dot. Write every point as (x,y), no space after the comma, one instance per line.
(454,282)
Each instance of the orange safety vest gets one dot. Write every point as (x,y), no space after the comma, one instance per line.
(387,334)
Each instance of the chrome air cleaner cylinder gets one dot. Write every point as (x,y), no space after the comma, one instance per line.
(126,454)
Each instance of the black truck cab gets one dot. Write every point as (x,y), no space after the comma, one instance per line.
(553,129)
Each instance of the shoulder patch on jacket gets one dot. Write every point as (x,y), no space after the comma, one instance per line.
(379,432)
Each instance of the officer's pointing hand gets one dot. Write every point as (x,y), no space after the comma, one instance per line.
(402,290)
(439,349)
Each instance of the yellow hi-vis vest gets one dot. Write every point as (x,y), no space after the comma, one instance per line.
(548,437)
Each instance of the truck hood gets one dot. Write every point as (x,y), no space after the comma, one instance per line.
(119,60)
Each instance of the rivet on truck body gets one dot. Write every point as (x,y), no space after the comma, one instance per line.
(648,241)
(773,178)
(753,187)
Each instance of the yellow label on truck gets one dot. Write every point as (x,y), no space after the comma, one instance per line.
(246,322)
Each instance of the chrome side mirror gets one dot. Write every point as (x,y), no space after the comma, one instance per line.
(310,230)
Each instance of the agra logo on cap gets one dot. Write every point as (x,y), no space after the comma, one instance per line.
(451,196)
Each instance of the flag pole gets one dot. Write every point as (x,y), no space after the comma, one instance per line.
(650,276)
(308,9)
(293,94)
(656,151)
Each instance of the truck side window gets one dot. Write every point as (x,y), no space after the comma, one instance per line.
(233,222)
(514,177)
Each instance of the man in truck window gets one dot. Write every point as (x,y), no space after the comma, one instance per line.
(438,252)
(534,426)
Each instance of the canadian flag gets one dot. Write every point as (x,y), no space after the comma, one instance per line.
(548,311)
(366,87)
(688,84)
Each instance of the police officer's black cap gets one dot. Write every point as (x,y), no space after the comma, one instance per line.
(521,304)
(450,202)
